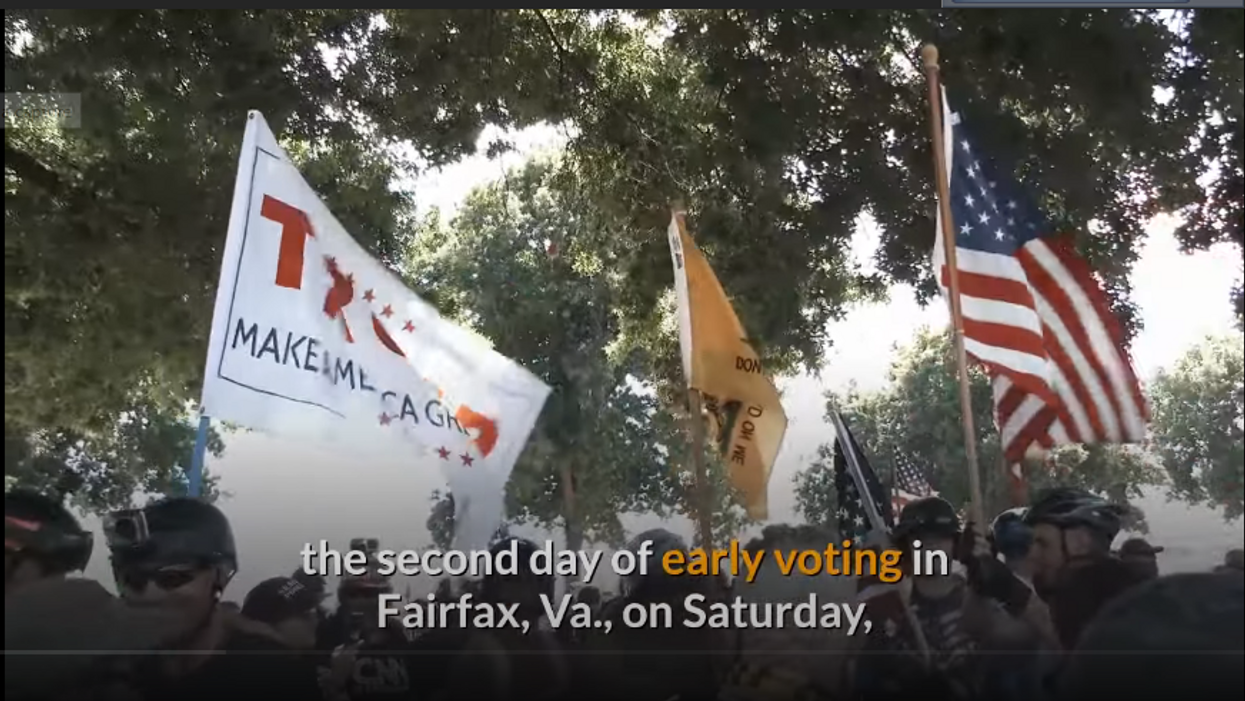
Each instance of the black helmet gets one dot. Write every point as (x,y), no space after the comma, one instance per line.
(1067,507)
(42,527)
(928,515)
(663,542)
(524,547)
(174,531)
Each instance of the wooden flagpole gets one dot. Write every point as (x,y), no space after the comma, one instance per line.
(929,56)
(702,491)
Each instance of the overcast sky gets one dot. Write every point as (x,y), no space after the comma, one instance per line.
(280,494)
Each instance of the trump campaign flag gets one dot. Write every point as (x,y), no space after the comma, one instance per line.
(1034,315)
(314,339)
(718,361)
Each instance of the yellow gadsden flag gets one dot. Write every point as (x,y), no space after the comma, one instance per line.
(746,417)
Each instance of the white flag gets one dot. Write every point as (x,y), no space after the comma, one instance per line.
(314,339)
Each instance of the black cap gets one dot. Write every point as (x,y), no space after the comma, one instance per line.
(279,599)
(1138,547)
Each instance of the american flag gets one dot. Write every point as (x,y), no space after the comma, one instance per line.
(853,514)
(852,469)
(1034,315)
(910,484)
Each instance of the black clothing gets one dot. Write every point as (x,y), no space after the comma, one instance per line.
(1086,589)
(247,665)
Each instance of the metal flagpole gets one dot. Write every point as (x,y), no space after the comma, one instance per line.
(195,477)
(929,55)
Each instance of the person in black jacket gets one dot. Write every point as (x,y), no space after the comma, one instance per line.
(178,556)
(42,540)
(286,610)
(1178,636)
(1075,570)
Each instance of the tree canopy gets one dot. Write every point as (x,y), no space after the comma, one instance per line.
(778,127)
(1199,423)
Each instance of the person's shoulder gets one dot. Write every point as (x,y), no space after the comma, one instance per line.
(1109,575)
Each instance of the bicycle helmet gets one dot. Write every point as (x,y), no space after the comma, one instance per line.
(1067,507)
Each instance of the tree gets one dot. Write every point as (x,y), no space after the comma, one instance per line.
(512,266)
(917,416)
(816,499)
(1199,409)
(145,453)
(779,127)
(113,231)
(736,98)
(440,522)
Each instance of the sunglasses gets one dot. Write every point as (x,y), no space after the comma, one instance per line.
(166,578)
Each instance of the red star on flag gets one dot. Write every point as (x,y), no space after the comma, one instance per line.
(387,311)
(467,459)
(445,454)
(369,296)
(385,419)
(408,326)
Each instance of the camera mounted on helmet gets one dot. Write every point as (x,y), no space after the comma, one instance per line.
(176,531)
(369,582)
(41,527)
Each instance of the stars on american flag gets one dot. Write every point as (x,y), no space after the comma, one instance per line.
(988,217)
(910,483)
(909,477)
(1030,287)
(852,513)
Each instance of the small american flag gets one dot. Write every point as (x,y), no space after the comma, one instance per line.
(910,483)
(1034,315)
(853,517)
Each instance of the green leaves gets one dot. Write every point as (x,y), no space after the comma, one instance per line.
(1198,408)
(553,310)
(777,127)
(147,451)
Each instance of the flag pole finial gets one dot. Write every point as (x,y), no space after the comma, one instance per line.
(929,55)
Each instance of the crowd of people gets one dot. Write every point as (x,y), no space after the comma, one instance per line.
(1041,607)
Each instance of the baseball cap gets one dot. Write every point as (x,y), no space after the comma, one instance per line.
(56,616)
(1234,559)
(1139,547)
(279,599)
